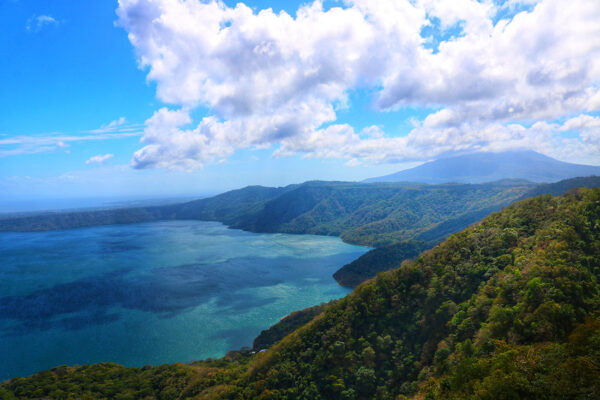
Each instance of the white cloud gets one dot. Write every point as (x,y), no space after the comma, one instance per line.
(581,122)
(99,159)
(38,22)
(272,79)
(118,125)
(32,144)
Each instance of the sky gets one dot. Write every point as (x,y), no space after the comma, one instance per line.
(142,98)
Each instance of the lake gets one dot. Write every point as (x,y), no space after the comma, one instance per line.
(153,293)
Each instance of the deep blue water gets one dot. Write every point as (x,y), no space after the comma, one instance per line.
(153,293)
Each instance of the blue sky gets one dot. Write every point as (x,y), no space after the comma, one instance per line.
(76,100)
(79,74)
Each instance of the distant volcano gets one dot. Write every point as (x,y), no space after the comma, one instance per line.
(488,167)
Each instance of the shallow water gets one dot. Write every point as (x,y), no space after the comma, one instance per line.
(153,293)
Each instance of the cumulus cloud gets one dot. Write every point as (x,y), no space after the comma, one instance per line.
(273,79)
(38,22)
(99,159)
(581,122)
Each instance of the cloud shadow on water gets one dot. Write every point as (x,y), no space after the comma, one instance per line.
(166,291)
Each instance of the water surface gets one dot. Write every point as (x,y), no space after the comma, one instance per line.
(153,293)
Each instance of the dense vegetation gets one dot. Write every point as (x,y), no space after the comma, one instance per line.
(378,260)
(375,214)
(367,214)
(287,325)
(558,188)
(506,309)
(113,381)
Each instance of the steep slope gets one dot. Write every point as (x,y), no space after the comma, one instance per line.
(508,308)
(378,260)
(488,167)
(387,257)
(523,276)
(287,325)
(377,214)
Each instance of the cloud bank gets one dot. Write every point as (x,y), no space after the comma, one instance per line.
(275,80)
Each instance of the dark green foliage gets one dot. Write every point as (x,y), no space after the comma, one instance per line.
(231,206)
(209,379)
(371,214)
(523,277)
(104,381)
(287,325)
(378,260)
(561,187)
(549,370)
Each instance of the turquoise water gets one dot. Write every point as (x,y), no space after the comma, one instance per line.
(153,293)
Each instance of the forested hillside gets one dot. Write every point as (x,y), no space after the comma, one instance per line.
(508,308)
(376,214)
(367,214)
(378,260)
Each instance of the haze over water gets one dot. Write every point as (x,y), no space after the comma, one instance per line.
(153,293)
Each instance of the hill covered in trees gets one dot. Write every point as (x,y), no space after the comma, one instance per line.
(367,214)
(507,308)
(378,260)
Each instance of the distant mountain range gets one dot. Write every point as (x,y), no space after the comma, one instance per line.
(489,167)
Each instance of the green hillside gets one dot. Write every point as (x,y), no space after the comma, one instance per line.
(367,214)
(506,309)
(378,260)
(375,214)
